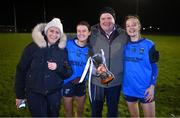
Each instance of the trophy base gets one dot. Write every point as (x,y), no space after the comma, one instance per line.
(106,80)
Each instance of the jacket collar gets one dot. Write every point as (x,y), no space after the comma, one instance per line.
(39,38)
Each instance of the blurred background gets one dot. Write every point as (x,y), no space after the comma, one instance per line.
(159,16)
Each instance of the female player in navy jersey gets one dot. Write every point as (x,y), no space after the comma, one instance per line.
(78,55)
(141,70)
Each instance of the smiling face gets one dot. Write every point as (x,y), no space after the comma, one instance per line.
(133,27)
(82,33)
(107,22)
(53,34)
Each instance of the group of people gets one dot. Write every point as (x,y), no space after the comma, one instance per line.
(51,67)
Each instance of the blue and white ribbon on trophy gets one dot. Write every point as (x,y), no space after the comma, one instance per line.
(89,66)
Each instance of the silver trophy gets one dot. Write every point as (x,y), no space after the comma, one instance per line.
(99,60)
(94,62)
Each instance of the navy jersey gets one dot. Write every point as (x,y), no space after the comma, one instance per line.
(138,68)
(77,58)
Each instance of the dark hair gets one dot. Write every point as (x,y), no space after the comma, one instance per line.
(133,17)
(85,23)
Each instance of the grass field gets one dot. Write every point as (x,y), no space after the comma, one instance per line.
(168,83)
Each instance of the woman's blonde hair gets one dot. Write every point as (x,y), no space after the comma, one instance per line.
(132,17)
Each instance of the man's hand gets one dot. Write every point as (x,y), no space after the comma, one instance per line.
(101,69)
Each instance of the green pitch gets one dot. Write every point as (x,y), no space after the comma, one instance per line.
(167,89)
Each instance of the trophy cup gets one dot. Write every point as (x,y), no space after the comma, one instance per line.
(99,60)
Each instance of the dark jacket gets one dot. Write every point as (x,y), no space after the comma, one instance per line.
(113,50)
(32,72)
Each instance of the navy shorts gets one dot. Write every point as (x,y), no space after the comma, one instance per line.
(70,89)
(135,99)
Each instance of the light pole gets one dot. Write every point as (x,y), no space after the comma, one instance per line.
(137,7)
(44,10)
(14,12)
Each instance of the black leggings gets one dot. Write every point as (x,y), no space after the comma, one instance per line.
(44,105)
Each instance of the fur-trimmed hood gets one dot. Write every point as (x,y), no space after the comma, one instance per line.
(38,38)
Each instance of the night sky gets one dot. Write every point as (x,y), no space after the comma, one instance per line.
(162,14)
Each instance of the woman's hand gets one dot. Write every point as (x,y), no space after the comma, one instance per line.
(18,102)
(52,65)
(150,93)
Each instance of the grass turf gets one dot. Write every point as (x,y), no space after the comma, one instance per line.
(167,89)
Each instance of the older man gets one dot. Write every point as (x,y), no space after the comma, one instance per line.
(107,35)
